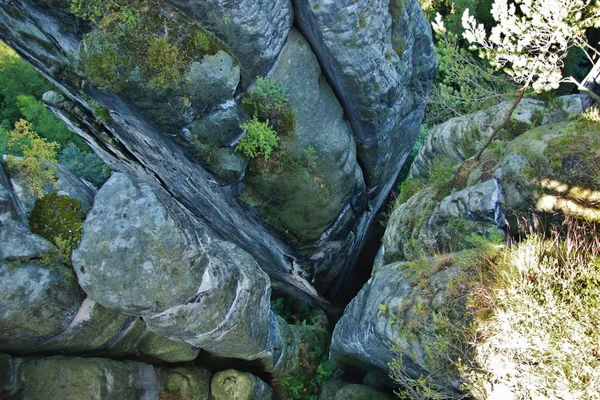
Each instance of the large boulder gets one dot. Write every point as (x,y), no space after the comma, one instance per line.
(130,236)
(182,383)
(156,94)
(381,325)
(235,385)
(379,60)
(72,378)
(298,195)
(254,31)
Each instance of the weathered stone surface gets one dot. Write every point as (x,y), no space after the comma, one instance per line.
(331,388)
(71,378)
(167,350)
(131,236)
(182,383)
(16,239)
(380,66)
(37,302)
(148,134)
(297,195)
(360,392)
(236,385)
(457,139)
(92,328)
(221,127)
(212,81)
(229,316)
(364,336)
(254,31)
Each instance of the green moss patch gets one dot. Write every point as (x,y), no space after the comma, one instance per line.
(59,219)
(143,38)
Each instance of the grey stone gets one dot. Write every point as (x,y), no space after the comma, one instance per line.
(302,197)
(6,373)
(235,385)
(92,328)
(224,162)
(229,315)
(131,236)
(364,336)
(164,349)
(212,81)
(360,392)
(72,378)
(37,302)
(181,383)
(382,85)
(459,138)
(254,31)
(330,389)
(221,127)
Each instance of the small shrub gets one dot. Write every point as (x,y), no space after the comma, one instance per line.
(259,141)
(59,219)
(409,188)
(101,112)
(39,155)
(165,63)
(441,176)
(108,70)
(269,101)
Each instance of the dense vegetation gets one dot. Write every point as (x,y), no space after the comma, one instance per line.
(21,90)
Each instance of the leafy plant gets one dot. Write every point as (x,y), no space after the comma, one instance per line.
(259,141)
(101,112)
(39,155)
(164,63)
(85,165)
(269,101)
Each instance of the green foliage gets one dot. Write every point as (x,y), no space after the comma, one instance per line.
(108,70)
(269,101)
(17,78)
(38,156)
(83,164)
(59,219)
(106,12)
(546,293)
(296,389)
(164,64)
(396,7)
(45,123)
(441,176)
(311,158)
(144,38)
(462,84)
(259,141)
(292,311)
(408,188)
(101,112)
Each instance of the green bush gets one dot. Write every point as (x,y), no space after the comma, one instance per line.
(108,70)
(269,101)
(164,64)
(101,113)
(259,141)
(85,165)
(59,219)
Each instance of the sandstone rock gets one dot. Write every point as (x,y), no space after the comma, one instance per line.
(380,66)
(297,195)
(37,303)
(236,385)
(379,318)
(181,383)
(167,350)
(71,378)
(132,236)
(254,31)
(458,138)
(359,392)
(212,81)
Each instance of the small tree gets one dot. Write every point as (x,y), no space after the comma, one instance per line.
(39,156)
(530,42)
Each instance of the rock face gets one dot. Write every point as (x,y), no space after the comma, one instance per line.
(405,310)
(181,133)
(67,378)
(377,63)
(236,385)
(179,383)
